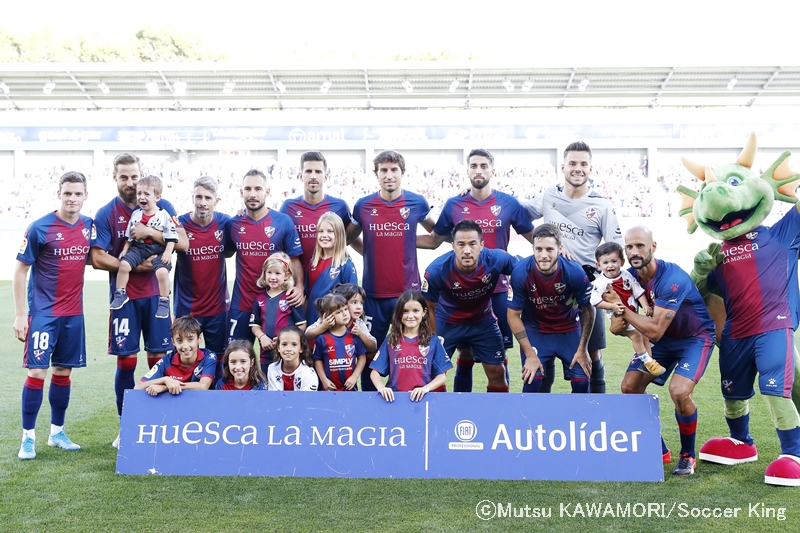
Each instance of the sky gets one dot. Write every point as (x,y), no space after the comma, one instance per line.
(576,33)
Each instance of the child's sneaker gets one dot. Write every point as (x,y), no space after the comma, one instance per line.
(163,308)
(120,299)
(652,367)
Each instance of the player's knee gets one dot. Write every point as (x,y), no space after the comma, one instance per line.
(595,355)
(631,386)
(38,373)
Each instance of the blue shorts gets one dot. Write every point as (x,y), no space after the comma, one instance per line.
(770,354)
(135,319)
(138,254)
(500,308)
(378,316)
(238,326)
(214,334)
(483,338)
(55,340)
(561,345)
(688,357)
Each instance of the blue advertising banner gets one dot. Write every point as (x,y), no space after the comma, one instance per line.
(571,437)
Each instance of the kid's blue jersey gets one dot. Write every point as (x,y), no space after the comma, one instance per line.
(321,279)
(339,355)
(170,365)
(410,365)
(305,217)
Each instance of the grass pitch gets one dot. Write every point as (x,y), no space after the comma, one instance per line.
(79,491)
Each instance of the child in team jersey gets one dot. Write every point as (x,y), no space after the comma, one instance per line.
(355,297)
(134,253)
(187,366)
(338,354)
(610,259)
(411,356)
(271,310)
(330,264)
(291,369)
(241,370)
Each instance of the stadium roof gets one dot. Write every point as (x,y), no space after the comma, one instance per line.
(390,85)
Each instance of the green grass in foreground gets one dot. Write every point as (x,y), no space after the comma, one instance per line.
(79,491)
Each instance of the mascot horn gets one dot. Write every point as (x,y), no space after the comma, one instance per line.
(754,272)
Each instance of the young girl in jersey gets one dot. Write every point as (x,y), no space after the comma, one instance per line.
(411,356)
(330,264)
(271,311)
(241,369)
(338,354)
(291,369)
(355,297)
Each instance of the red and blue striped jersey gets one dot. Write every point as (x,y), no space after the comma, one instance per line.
(273,313)
(496,215)
(338,353)
(321,280)
(170,365)
(201,277)
(57,252)
(548,303)
(465,298)
(305,217)
(390,242)
(410,365)
(758,279)
(672,288)
(111,222)
(254,241)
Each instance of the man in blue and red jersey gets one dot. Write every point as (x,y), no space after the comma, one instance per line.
(496,212)
(305,210)
(543,315)
(458,287)
(54,249)
(201,276)
(681,332)
(388,220)
(254,236)
(138,317)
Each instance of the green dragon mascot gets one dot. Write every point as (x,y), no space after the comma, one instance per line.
(754,272)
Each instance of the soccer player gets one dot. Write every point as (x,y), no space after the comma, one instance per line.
(458,287)
(306,210)
(254,236)
(496,212)
(54,249)
(543,315)
(201,276)
(585,219)
(138,317)
(681,331)
(388,220)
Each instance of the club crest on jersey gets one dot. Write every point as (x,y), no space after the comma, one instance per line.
(269,231)
(218,235)
(85,233)
(283,305)
(487,278)
(752,235)
(24,245)
(495,209)
(334,273)
(120,341)
(626,284)
(560,287)
(423,350)
(350,349)
(404,212)
(591,212)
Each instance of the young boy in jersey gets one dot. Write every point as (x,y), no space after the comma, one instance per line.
(148,193)
(339,356)
(187,366)
(613,278)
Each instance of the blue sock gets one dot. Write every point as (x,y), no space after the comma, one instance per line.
(59,398)
(32,395)
(533,387)
(597,383)
(740,428)
(687,426)
(790,441)
(579,385)
(549,375)
(463,380)
(123,380)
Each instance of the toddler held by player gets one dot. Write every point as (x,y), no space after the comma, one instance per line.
(271,311)
(240,368)
(338,354)
(411,356)
(610,259)
(291,369)
(134,253)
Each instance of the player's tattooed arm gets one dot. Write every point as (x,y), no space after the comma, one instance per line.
(652,328)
